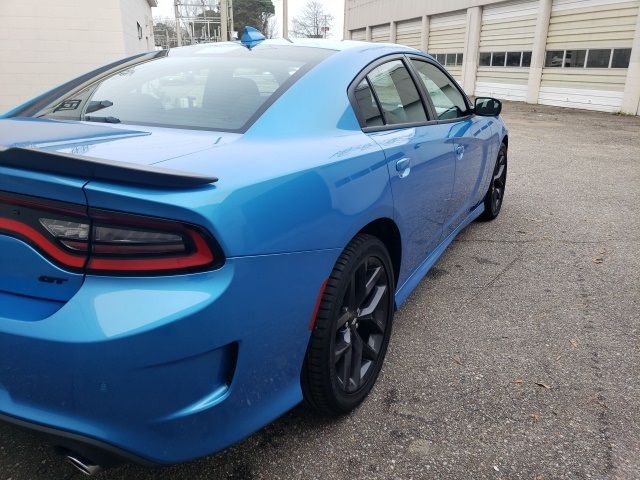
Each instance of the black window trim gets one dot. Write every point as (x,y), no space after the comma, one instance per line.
(405,58)
(453,81)
(364,75)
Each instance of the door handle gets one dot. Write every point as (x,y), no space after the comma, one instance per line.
(403,167)
(459,151)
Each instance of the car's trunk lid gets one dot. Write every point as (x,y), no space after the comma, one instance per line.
(27,271)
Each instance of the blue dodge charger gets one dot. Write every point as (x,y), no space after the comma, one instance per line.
(193,241)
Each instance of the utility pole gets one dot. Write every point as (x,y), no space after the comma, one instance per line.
(224,20)
(285,18)
(231,20)
(176,11)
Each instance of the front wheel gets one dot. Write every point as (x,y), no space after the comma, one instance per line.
(495,194)
(352,329)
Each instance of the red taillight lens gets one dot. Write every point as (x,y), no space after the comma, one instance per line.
(105,242)
(20,216)
(123,243)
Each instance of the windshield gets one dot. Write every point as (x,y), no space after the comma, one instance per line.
(223,87)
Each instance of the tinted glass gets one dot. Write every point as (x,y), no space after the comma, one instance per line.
(554,58)
(367,105)
(526,59)
(513,59)
(451,59)
(598,58)
(440,57)
(459,58)
(485,59)
(397,94)
(621,58)
(498,59)
(217,88)
(575,58)
(447,99)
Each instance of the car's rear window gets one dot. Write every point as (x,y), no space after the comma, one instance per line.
(223,87)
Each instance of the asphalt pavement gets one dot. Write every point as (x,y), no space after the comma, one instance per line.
(517,357)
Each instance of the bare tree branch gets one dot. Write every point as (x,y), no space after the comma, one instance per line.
(313,22)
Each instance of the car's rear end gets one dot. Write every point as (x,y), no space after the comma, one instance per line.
(130,321)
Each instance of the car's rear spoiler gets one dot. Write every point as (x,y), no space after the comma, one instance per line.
(97,169)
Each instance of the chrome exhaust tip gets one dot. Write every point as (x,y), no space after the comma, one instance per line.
(83,465)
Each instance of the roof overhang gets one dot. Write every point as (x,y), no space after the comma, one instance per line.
(152,3)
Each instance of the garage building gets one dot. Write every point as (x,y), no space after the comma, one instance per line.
(572,53)
(44,43)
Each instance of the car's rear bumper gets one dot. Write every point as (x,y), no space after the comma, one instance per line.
(102,453)
(163,370)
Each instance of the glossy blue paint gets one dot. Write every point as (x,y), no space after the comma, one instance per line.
(174,367)
(421,197)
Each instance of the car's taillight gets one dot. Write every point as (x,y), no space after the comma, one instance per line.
(130,243)
(106,242)
(44,225)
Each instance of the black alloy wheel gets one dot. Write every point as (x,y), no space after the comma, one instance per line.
(352,329)
(361,325)
(495,194)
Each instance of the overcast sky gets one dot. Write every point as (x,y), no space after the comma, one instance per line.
(334,7)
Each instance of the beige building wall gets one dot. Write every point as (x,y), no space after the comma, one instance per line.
(517,27)
(44,43)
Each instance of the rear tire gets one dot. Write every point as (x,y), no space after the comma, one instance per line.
(352,329)
(495,194)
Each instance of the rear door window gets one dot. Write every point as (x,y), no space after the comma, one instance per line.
(367,105)
(397,94)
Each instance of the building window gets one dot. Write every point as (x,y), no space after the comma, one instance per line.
(620,58)
(514,59)
(449,59)
(599,58)
(139,31)
(498,59)
(554,58)
(592,58)
(505,59)
(574,58)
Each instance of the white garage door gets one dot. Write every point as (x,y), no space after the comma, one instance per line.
(409,33)
(360,34)
(506,42)
(587,54)
(446,40)
(381,33)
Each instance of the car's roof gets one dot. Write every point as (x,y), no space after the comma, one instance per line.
(326,44)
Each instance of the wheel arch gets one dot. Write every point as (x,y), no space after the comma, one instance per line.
(386,230)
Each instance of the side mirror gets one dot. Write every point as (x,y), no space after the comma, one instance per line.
(488,107)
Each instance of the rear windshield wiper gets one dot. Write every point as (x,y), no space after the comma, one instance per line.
(89,118)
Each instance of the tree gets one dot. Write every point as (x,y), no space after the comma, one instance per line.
(164,31)
(253,13)
(271,30)
(313,22)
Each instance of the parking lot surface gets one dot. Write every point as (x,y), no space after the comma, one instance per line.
(517,357)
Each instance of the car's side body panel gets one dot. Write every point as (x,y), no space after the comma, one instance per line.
(422,191)
(474,150)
